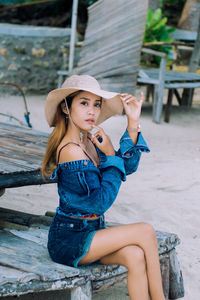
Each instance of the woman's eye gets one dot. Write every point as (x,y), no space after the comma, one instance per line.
(84,103)
(97,104)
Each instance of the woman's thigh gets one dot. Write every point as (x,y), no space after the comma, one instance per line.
(111,239)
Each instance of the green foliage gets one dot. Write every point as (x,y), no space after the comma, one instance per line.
(173,3)
(157,31)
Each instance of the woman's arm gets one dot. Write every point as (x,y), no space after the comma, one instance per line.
(86,187)
(132,107)
(131,152)
(132,142)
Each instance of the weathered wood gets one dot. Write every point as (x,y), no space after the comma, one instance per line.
(164,266)
(22,218)
(21,154)
(113,39)
(14,253)
(176,286)
(159,93)
(23,179)
(83,292)
(193,66)
(5,224)
(2,191)
(168,106)
(101,285)
(184,35)
(161,79)
(11,275)
(34,271)
(22,148)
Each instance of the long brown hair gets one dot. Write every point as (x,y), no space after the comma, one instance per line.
(49,161)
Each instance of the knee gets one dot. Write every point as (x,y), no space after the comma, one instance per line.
(133,257)
(148,231)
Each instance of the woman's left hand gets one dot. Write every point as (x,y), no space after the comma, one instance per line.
(132,106)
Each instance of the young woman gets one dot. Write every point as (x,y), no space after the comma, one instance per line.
(89,173)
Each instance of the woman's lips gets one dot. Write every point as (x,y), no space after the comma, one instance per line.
(90,121)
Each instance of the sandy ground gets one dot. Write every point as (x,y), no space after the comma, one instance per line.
(165,191)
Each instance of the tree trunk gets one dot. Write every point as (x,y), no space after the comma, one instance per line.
(194,63)
(190,15)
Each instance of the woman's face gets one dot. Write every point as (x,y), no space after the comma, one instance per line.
(85,110)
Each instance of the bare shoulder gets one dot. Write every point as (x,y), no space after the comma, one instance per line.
(70,152)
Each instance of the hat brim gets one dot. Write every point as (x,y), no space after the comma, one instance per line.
(111,105)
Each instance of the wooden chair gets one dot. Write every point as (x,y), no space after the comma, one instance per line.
(157,79)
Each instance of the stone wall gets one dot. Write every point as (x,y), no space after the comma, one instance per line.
(30,56)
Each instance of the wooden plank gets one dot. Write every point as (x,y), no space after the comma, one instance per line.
(112,43)
(170,75)
(36,287)
(182,85)
(184,35)
(159,93)
(23,218)
(14,252)
(10,275)
(22,148)
(36,235)
(22,178)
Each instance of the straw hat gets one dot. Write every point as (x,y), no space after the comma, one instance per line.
(111,104)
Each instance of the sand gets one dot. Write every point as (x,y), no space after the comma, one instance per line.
(165,190)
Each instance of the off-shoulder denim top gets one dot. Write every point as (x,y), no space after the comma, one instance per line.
(85,189)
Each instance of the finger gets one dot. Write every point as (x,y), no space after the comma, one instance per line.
(130,99)
(99,128)
(97,135)
(123,103)
(95,140)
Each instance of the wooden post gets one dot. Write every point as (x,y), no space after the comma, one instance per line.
(168,106)
(194,63)
(73,35)
(176,286)
(159,93)
(82,292)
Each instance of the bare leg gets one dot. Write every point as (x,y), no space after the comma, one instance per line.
(132,257)
(109,240)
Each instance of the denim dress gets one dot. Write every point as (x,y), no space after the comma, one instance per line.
(85,189)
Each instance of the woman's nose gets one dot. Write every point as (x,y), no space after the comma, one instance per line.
(91,111)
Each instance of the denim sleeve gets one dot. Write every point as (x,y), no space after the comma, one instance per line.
(91,189)
(102,190)
(131,153)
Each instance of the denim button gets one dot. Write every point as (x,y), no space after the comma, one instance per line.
(71,225)
(85,163)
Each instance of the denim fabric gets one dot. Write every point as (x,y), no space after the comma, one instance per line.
(70,238)
(85,189)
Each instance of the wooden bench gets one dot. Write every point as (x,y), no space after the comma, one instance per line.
(25,266)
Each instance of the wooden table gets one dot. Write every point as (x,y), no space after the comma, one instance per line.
(160,79)
(21,153)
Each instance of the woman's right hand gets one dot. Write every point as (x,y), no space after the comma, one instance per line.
(105,144)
